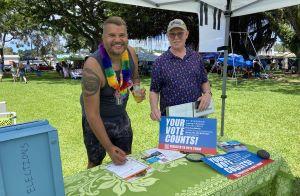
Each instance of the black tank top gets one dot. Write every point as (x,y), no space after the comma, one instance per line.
(108,106)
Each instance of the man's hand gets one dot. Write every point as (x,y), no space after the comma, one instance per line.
(204,101)
(155,114)
(139,95)
(117,155)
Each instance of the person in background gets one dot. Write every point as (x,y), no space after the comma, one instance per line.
(256,68)
(285,65)
(14,70)
(268,65)
(1,71)
(59,69)
(107,76)
(27,67)
(178,75)
(22,73)
(65,68)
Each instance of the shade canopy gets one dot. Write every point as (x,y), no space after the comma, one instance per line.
(70,57)
(238,7)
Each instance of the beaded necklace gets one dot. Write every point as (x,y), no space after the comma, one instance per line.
(121,85)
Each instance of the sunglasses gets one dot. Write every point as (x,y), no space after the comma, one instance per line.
(179,35)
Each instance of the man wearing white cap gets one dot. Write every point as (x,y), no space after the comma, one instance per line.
(178,75)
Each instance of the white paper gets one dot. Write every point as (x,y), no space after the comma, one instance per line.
(182,110)
(127,170)
(189,110)
(166,155)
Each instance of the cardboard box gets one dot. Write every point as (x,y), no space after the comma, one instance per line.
(30,160)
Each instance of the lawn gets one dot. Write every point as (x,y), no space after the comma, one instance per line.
(260,112)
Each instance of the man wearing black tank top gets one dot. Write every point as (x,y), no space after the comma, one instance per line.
(107,76)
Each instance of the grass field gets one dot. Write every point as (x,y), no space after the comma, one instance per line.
(260,112)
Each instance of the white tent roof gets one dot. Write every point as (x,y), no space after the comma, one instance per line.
(238,7)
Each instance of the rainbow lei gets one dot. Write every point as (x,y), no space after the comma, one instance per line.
(125,82)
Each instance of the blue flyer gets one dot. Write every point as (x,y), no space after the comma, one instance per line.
(198,135)
(232,146)
(236,164)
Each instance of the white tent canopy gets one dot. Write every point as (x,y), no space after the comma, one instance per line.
(230,8)
(238,7)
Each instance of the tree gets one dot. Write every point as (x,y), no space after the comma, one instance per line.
(8,50)
(259,32)
(286,24)
(13,23)
(263,29)
(80,22)
(6,16)
(143,22)
(25,55)
(44,44)
(279,47)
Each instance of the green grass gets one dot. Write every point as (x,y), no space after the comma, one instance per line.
(260,112)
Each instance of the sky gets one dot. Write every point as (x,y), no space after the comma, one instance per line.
(14,47)
(26,46)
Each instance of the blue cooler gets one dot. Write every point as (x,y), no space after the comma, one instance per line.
(30,160)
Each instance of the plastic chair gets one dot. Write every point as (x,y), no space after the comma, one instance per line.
(2,106)
(7,118)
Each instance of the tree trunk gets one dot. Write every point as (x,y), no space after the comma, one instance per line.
(2,56)
(298,61)
(2,48)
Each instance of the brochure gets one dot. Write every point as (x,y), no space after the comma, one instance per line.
(161,156)
(232,146)
(188,134)
(189,110)
(130,169)
(236,164)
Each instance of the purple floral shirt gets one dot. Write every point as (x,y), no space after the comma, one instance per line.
(178,80)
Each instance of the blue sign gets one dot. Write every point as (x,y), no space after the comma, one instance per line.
(188,134)
(236,164)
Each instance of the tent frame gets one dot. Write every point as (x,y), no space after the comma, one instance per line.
(227,15)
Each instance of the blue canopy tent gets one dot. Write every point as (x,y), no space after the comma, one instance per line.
(236,61)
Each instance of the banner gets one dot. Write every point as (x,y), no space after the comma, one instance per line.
(198,135)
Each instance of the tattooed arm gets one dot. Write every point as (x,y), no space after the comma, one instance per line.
(92,81)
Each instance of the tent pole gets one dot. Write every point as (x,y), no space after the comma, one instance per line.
(227,14)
